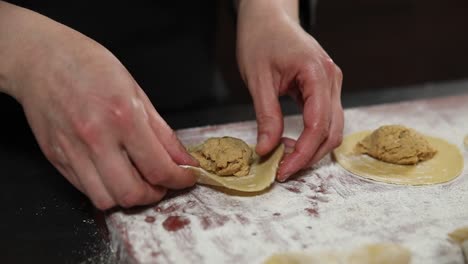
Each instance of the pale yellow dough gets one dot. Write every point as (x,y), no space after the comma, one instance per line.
(460,236)
(379,253)
(261,175)
(446,165)
(305,258)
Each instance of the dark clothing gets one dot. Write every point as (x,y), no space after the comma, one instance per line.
(168,46)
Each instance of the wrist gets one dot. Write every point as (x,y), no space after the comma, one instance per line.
(270,8)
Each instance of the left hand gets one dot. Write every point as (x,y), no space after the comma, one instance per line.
(277,57)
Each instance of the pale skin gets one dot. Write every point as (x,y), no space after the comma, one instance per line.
(98,128)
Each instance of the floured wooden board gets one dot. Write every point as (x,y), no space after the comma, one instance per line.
(324,208)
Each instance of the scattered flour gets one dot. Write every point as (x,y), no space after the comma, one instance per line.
(323,208)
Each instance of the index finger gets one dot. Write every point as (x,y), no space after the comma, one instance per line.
(153,161)
(316,117)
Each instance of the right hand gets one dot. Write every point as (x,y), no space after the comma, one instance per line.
(95,124)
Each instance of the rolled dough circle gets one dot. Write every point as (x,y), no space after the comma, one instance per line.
(378,253)
(445,166)
(262,174)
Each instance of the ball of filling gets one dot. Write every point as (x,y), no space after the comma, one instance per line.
(225,156)
(396,144)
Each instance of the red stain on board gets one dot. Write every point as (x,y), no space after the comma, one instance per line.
(312,211)
(206,222)
(293,189)
(242,219)
(220,220)
(208,129)
(321,189)
(191,204)
(211,222)
(150,219)
(300,180)
(318,198)
(167,210)
(175,223)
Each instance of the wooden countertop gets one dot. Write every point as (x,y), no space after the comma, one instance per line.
(324,207)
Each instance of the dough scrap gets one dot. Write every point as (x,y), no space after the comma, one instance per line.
(225,156)
(459,235)
(446,165)
(305,258)
(396,144)
(261,175)
(378,253)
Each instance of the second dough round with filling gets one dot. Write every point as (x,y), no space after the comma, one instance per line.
(396,144)
(444,166)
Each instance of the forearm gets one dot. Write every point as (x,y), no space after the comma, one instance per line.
(26,39)
(14,41)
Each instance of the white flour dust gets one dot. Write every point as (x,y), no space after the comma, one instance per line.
(323,208)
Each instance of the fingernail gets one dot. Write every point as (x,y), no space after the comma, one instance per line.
(284,177)
(193,161)
(190,160)
(288,150)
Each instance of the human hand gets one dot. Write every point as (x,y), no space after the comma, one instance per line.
(277,57)
(92,120)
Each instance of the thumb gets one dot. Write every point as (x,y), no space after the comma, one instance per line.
(269,118)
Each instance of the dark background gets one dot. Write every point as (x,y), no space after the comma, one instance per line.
(387,51)
(378,44)
(183,52)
